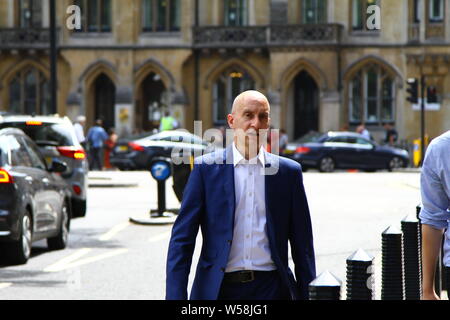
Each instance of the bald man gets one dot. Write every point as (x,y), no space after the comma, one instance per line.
(249,205)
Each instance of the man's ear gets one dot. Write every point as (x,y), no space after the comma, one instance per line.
(230,120)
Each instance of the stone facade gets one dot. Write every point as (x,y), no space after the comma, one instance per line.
(307,71)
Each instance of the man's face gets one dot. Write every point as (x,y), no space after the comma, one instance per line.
(251,116)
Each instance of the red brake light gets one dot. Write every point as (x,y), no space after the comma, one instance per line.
(5,177)
(76,189)
(135,146)
(72,152)
(303,150)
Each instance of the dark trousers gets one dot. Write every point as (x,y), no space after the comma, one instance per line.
(447,282)
(95,159)
(266,286)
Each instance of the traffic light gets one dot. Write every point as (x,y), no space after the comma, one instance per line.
(432,94)
(413,90)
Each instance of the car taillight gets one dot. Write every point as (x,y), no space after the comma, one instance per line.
(76,189)
(303,150)
(5,177)
(72,152)
(135,146)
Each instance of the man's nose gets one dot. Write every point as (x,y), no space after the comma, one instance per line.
(255,123)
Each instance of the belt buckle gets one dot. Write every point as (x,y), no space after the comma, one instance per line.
(252,276)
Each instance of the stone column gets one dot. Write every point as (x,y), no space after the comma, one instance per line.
(74,105)
(275,108)
(178,107)
(330,114)
(124,111)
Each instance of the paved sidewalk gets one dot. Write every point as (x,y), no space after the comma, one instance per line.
(110,179)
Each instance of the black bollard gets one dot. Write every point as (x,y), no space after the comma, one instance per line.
(161,170)
(360,282)
(392,282)
(411,258)
(325,287)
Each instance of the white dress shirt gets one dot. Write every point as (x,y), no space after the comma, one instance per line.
(250,246)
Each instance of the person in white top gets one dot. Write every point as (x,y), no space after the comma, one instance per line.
(79,129)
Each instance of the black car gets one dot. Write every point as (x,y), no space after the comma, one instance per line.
(55,137)
(34,199)
(344,150)
(137,154)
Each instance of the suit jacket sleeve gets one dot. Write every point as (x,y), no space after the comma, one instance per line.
(184,233)
(301,238)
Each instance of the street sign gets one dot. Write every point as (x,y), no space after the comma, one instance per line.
(161,170)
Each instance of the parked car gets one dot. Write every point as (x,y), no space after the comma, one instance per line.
(34,199)
(137,154)
(56,139)
(344,150)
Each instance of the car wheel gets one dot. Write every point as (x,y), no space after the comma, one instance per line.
(78,208)
(60,241)
(326,164)
(395,163)
(19,252)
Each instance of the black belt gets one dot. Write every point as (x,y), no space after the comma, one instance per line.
(243,276)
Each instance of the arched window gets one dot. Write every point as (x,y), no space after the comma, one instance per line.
(161,15)
(96,15)
(29,93)
(227,87)
(372,96)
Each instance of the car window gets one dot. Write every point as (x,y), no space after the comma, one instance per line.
(363,141)
(36,159)
(19,155)
(352,140)
(57,133)
(4,150)
(338,139)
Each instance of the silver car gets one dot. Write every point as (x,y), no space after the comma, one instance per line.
(56,138)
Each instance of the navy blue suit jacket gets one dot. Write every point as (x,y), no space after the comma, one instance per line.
(209,203)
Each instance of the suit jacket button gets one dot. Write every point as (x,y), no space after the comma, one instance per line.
(229,241)
(222,269)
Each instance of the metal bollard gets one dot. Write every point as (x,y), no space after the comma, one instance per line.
(325,287)
(392,282)
(360,282)
(412,258)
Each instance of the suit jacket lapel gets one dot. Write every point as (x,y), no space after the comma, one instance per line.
(270,184)
(228,184)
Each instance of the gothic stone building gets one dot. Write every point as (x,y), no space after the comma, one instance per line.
(321,64)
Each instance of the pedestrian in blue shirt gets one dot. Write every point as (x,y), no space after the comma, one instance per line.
(435,212)
(96,138)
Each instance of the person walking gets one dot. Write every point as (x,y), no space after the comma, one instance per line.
(391,134)
(167,122)
(435,212)
(249,205)
(109,146)
(361,129)
(95,139)
(79,130)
